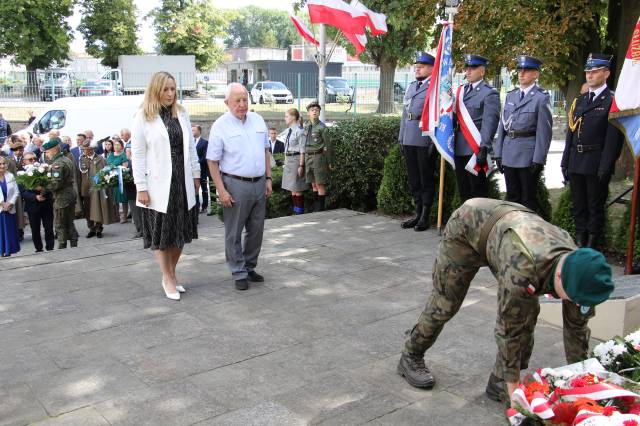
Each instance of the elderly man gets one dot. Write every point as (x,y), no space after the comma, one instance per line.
(239,162)
(529,257)
(39,208)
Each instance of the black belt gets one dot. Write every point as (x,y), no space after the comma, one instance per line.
(413,117)
(514,135)
(246,179)
(314,152)
(291,154)
(587,148)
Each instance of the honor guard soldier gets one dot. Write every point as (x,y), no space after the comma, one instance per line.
(524,134)
(64,194)
(529,257)
(419,151)
(476,118)
(590,152)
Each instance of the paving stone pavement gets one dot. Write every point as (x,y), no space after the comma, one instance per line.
(88,338)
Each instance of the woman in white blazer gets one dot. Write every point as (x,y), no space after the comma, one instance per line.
(166,173)
(9,193)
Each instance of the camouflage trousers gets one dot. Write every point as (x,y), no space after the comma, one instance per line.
(63,224)
(457,263)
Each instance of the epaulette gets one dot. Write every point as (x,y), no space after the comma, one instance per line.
(543,90)
(513,90)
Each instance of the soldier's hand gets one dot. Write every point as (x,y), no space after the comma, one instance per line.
(603,176)
(481,157)
(498,161)
(565,175)
(536,169)
(143,198)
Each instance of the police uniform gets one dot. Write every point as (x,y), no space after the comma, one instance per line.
(482,101)
(524,137)
(64,198)
(591,149)
(522,251)
(419,151)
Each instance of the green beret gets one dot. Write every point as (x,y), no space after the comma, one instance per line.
(586,277)
(51,143)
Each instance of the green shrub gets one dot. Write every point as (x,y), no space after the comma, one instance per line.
(542,197)
(394,196)
(563,215)
(621,237)
(358,150)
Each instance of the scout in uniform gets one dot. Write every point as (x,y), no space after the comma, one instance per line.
(316,156)
(14,163)
(524,134)
(590,152)
(64,196)
(419,151)
(529,257)
(482,102)
(97,205)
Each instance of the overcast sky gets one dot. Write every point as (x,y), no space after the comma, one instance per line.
(145,33)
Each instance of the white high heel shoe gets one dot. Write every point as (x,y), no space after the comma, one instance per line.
(172,296)
(180,289)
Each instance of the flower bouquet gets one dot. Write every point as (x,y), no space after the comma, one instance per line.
(34,175)
(112,177)
(620,355)
(582,394)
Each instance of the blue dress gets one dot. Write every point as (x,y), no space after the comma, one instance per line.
(9,243)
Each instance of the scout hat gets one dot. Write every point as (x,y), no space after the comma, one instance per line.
(15,143)
(51,143)
(472,60)
(597,61)
(528,63)
(586,277)
(87,143)
(424,58)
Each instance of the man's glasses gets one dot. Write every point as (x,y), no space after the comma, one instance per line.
(30,160)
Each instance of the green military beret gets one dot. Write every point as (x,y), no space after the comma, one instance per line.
(586,277)
(51,143)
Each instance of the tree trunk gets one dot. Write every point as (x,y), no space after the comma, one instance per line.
(386,103)
(32,90)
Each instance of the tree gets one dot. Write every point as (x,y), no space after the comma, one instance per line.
(190,27)
(35,33)
(257,27)
(109,28)
(410,28)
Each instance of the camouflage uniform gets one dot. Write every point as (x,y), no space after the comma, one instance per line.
(316,153)
(521,251)
(64,198)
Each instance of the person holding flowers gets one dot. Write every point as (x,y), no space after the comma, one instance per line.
(119,158)
(9,193)
(38,205)
(97,204)
(529,257)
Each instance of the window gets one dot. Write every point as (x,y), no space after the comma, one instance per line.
(51,120)
(275,86)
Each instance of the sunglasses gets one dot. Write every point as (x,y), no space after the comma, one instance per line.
(30,160)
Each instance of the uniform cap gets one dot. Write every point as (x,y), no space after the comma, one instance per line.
(424,58)
(586,277)
(597,61)
(15,143)
(86,143)
(472,60)
(528,63)
(51,143)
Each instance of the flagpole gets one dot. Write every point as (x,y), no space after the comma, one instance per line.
(632,222)
(322,71)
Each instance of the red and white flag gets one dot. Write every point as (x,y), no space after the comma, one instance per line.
(338,14)
(359,41)
(377,22)
(303,30)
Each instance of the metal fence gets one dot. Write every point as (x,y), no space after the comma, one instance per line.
(203,94)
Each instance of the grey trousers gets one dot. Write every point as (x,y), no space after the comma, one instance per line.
(136,215)
(247,212)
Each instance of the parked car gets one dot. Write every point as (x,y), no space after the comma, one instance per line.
(338,90)
(56,83)
(97,88)
(271,92)
(399,88)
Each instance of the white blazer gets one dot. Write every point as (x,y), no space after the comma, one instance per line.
(12,191)
(151,159)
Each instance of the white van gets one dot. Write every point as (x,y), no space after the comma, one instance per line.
(104,116)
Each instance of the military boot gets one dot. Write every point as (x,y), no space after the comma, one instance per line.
(496,389)
(62,245)
(593,241)
(423,223)
(415,372)
(414,220)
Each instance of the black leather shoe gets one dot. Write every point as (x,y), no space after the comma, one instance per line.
(414,220)
(423,223)
(91,234)
(242,284)
(99,234)
(210,214)
(74,243)
(39,251)
(255,277)
(496,389)
(415,372)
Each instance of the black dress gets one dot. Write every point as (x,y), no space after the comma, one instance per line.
(178,226)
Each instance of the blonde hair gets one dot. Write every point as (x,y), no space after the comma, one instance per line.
(151,104)
(294,113)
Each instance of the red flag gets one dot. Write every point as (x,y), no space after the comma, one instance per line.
(359,41)
(337,14)
(377,22)
(303,30)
